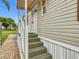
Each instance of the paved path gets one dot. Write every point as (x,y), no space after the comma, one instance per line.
(9,49)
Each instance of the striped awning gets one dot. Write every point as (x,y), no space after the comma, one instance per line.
(21,4)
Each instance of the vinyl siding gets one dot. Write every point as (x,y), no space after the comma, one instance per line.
(60,21)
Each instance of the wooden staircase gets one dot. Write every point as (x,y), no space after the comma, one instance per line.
(36,48)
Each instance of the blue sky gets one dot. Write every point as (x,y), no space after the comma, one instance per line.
(13,13)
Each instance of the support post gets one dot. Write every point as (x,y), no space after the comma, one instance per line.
(26,32)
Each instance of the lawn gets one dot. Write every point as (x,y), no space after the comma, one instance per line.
(5,34)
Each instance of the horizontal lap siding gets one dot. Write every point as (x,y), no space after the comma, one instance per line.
(60,21)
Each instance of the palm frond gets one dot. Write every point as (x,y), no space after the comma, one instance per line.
(6,4)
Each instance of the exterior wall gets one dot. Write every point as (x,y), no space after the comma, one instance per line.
(60,21)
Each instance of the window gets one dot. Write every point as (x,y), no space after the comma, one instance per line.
(43,7)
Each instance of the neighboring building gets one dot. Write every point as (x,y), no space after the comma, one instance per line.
(3,27)
(56,23)
(10,27)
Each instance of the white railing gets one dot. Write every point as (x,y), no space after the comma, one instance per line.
(22,37)
(60,50)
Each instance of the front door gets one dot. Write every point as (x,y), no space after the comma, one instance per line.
(34,23)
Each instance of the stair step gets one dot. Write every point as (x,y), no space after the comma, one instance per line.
(35,44)
(37,51)
(42,56)
(33,35)
(34,39)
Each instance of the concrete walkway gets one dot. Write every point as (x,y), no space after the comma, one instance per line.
(9,49)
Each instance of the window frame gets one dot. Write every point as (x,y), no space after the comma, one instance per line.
(77,10)
(43,7)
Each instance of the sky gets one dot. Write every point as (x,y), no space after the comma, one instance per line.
(13,13)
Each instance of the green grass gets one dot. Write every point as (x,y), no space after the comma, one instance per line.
(5,34)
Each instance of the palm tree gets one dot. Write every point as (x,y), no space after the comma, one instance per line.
(6,4)
(8,7)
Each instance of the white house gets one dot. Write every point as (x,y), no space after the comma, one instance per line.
(56,23)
